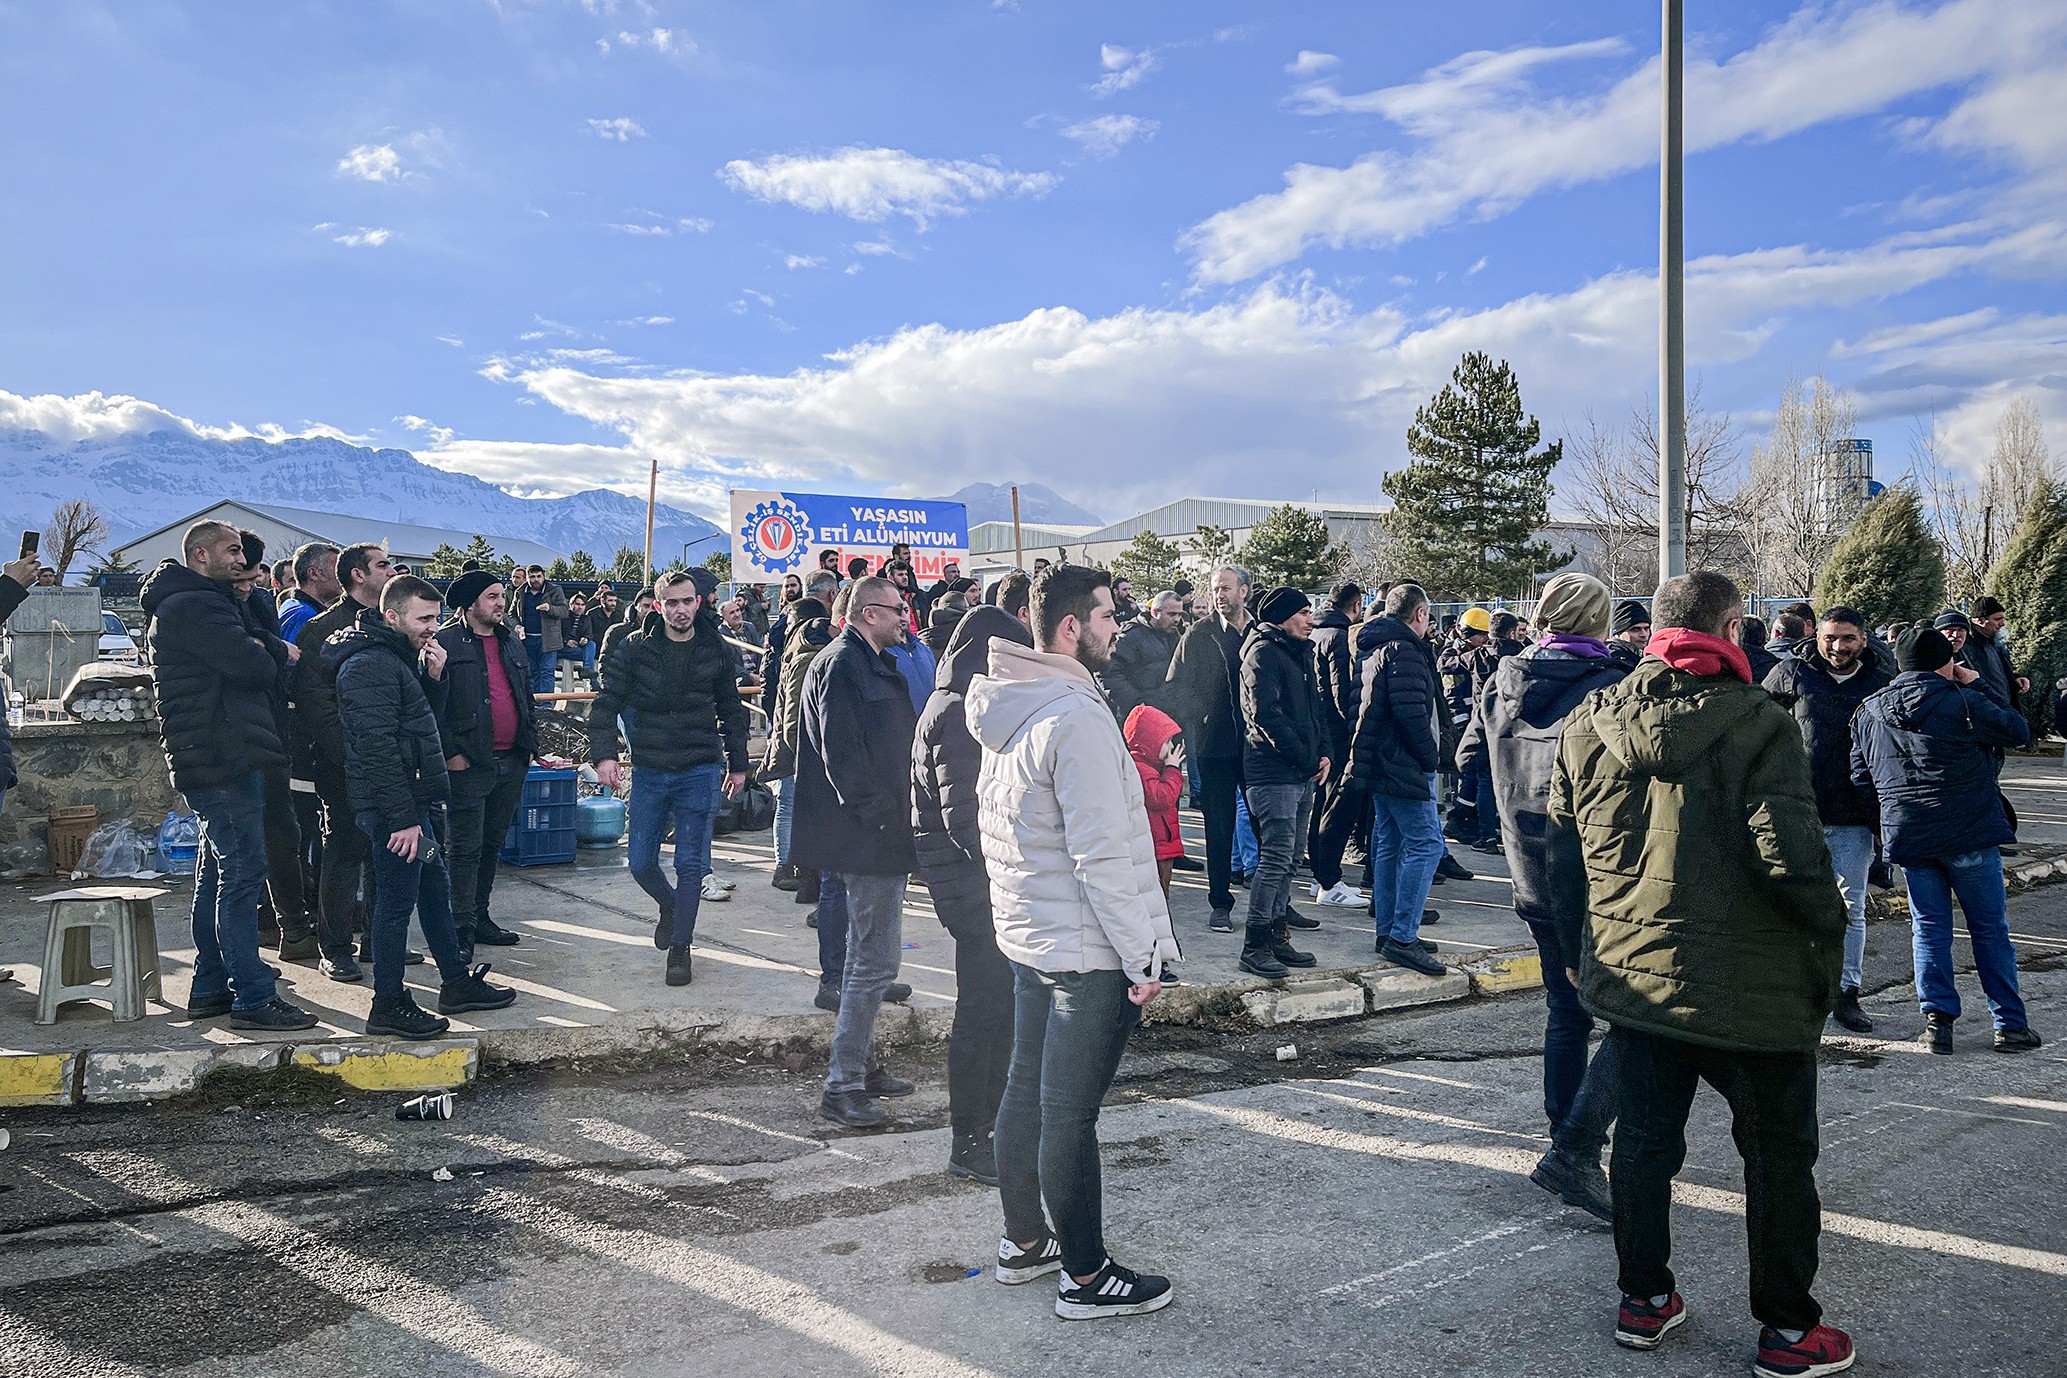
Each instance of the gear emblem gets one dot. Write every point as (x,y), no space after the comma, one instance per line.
(776,536)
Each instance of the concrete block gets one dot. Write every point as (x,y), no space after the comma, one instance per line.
(1304,1001)
(37,1078)
(1496,975)
(131,1076)
(394,1066)
(1395,988)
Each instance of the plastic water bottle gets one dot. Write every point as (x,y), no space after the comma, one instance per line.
(179,843)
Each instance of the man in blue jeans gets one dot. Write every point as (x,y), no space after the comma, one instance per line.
(1081,917)
(540,611)
(672,681)
(1929,744)
(1393,756)
(215,679)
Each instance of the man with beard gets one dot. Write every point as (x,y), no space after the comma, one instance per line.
(1205,698)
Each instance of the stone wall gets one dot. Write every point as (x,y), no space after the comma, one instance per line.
(118,768)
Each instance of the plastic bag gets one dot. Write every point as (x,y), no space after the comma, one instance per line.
(114,850)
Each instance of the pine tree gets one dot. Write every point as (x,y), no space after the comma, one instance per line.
(628,566)
(1888,565)
(1467,509)
(2031,581)
(445,561)
(558,570)
(1291,546)
(479,549)
(719,562)
(582,565)
(1150,561)
(1209,548)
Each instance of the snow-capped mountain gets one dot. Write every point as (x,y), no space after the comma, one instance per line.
(144,481)
(1039,505)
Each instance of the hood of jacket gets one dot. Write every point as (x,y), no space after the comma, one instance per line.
(172,577)
(1537,689)
(1023,683)
(363,636)
(1912,697)
(1663,721)
(1149,729)
(1300,651)
(968,650)
(1332,618)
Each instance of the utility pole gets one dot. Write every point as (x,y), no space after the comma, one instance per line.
(1672,335)
(1018,547)
(652,487)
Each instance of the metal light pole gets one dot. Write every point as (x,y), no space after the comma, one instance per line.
(1672,363)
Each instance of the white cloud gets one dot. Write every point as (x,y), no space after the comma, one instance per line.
(439,434)
(620,130)
(693,224)
(1475,269)
(363,238)
(649,320)
(372,163)
(452,340)
(1104,135)
(1124,68)
(872,184)
(96,416)
(802,261)
(661,230)
(1484,137)
(1309,62)
(668,42)
(875,248)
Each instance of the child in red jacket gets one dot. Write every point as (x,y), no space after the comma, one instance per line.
(1157,745)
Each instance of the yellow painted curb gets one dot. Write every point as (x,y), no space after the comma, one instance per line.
(388,1067)
(1524,972)
(37,1078)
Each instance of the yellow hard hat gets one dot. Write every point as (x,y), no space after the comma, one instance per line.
(1477,620)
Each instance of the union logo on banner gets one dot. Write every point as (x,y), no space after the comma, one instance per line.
(776,536)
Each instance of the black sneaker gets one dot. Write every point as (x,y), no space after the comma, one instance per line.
(855,1109)
(1429,916)
(489,933)
(275,1016)
(1223,921)
(974,1156)
(828,998)
(896,993)
(1295,919)
(1261,961)
(1937,1033)
(1411,957)
(1848,1014)
(881,1083)
(402,1017)
(301,949)
(1017,1265)
(1115,1291)
(1449,868)
(210,1006)
(664,932)
(341,966)
(1185,863)
(1292,956)
(1491,846)
(678,965)
(470,992)
(2017,1040)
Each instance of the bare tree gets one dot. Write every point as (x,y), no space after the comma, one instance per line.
(1613,487)
(1793,506)
(1973,521)
(76,526)
(1373,561)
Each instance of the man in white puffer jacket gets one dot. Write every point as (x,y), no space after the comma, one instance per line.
(1081,916)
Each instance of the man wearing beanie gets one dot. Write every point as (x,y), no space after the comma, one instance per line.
(1513,738)
(488,733)
(1929,743)
(1285,751)
(1628,630)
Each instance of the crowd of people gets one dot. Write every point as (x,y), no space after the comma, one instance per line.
(1692,808)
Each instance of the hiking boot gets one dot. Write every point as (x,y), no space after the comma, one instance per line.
(210,1006)
(1222,921)
(881,1083)
(855,1109)
(786,878)
(1112,1291)
(472,992)
(1291,956)
(2016,1040)
(1449,868)
(1848,1014)
(341,966)
(828,998)
(1576,1182)
(1411,957)
(1826,1349)
(402,1017)
(974,1156)
(1017,1265)
(489,933)
(274,1016)
(1640,1325)
(1937,1032)
(1261,961)
(678,965)
(896,993)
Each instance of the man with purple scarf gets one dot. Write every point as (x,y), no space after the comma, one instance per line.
(1513,737)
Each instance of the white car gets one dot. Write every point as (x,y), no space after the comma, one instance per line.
(115,641)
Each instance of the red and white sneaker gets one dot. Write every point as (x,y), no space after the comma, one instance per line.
(1826,1349)
(1640,1325)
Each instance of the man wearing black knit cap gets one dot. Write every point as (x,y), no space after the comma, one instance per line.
(1628,630)
(488,733)
(1285,751)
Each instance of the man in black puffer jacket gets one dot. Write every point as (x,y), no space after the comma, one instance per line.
(1393,756)
(945,763)
(215,679)
(1139,670)
(1205,699)
(1285,753)
(673,678)
(388,676)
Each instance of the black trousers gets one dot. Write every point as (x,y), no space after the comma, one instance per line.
(347,866)
(1220,781)
(484,799)
(1772,1099)
(979,1046)
(1334,824)
(284,876)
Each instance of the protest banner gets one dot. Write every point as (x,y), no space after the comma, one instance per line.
(774,534)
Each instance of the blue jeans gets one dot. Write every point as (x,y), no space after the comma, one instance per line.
(229,881)
(1406,847)
(875,946)
(832,929)
(1851,856)
(785,815)
(543,667)
(1069,1029)
(1976,878)
(1244,837)
(400,887)
(688,796)
(1578,1094)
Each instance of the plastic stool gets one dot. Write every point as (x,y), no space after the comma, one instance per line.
(68,970)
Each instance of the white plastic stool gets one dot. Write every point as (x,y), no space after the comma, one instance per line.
(68,969)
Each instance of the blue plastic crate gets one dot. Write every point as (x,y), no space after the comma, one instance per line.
(546,847)
(543,786)
(542,830)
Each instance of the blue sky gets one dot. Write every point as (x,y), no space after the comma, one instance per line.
(1131,250)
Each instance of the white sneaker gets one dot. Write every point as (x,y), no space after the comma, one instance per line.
(1341,896)
(715,891)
